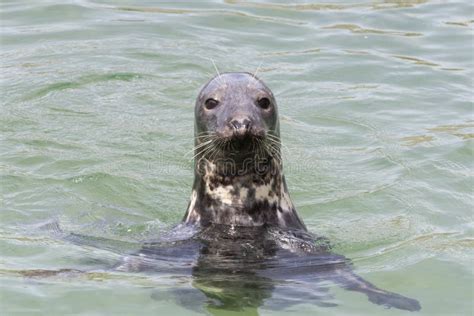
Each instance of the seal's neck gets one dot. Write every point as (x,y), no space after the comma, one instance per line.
(241,198)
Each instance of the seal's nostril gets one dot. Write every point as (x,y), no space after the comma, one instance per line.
(236,124)
(246,123)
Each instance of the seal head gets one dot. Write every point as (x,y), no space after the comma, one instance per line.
(238,169)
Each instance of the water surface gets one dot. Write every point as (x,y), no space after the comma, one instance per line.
(96,122)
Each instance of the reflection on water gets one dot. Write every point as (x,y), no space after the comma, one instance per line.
(92,79)
(358,29)
(386,4)
(417,61)
(415,140)
(240,268)
(460,23)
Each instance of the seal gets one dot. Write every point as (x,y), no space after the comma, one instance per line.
(240,202)
(238,168)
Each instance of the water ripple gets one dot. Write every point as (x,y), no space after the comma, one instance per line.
(376,5)
(360,30)
(82,81)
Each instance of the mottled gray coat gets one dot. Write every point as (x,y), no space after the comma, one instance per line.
(238,172)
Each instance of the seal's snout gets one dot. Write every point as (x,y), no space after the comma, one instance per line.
(241,125)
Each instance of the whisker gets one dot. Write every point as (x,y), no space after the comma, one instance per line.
(218,73)
(274,152)
(277,140)
(207,133)
(201,145)
(205,141)
(273,137)
(260,153)
(217,149)
(203,152)
(253,146)
(256,70)
(204,135)
(277,144)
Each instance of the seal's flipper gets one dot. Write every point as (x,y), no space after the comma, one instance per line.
(177,257)
(352,282)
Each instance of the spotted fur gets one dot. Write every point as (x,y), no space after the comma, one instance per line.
(245,195)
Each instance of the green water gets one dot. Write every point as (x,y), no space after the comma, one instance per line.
(96,124)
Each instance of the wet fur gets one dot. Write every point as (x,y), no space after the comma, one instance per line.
(243,196)
(235,200)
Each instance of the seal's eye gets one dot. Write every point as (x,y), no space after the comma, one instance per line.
(211,103)
(264,103)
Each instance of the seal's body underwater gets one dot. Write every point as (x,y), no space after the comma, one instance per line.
(244,236)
